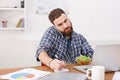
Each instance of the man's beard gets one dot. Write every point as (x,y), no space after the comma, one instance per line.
(67,31)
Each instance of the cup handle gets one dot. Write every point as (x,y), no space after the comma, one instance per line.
(88,74)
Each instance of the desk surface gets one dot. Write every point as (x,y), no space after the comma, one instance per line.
(108,76)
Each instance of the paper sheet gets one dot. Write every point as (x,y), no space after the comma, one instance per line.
(25,74)
(63,70)
(116,76)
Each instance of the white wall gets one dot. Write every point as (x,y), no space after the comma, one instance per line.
(98,21)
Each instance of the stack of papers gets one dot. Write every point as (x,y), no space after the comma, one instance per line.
(26,74)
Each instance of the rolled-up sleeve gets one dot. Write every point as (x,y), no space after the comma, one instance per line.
(45,44)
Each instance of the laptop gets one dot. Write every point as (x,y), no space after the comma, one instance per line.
(105,55)
(64,76)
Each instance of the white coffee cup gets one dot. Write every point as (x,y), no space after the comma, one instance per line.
(96,73)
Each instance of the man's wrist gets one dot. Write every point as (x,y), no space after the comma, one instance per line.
(50,62)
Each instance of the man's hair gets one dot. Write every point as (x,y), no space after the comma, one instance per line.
(55,14)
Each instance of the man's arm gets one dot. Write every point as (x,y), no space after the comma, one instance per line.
(52,63)
(44,58)
(86,48)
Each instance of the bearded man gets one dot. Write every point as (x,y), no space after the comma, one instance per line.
(60,45)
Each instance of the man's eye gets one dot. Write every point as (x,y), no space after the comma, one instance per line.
(59,24)
(65,21)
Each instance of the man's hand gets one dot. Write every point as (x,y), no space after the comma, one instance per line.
(57,64)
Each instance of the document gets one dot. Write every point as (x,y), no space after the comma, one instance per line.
(63,70)
(116,76)
(26,74)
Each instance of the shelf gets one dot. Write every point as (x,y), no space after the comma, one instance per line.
(12,28)
(15,16)
(21,9)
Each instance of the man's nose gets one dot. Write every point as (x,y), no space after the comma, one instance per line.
(64,25)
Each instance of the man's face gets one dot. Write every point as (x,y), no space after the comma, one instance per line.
(64,25)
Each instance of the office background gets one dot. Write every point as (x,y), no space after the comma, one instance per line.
(97,20)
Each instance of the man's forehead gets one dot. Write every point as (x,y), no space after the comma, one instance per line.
(60,19)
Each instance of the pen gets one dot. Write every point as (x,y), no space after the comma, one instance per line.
(56,56)
(59,59)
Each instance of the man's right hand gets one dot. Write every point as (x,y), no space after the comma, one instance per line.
(57,64)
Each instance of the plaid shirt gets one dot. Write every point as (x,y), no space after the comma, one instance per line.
(55,44)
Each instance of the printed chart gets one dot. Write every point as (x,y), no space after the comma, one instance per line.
(25,74)
(22,76)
